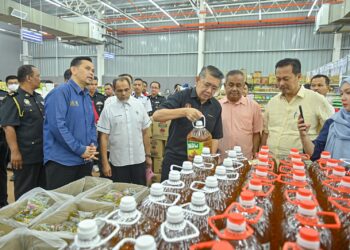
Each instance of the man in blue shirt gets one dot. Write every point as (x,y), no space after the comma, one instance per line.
(69,127)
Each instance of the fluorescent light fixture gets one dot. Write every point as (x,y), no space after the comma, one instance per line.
(312,7)
(124,14)
(54,3)
(162,10)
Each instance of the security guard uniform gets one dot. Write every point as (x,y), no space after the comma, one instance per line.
(156,101)
(3,160)
(25,112)
(99,101)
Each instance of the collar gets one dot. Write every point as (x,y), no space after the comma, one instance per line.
(243,101)
(129,102)
(25,93)
(76,87)
(194,95)
(301,92)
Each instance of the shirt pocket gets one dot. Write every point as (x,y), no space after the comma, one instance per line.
(117,123)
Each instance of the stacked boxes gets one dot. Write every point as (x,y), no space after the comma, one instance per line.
(158,142)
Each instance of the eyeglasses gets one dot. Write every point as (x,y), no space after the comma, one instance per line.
(208,85)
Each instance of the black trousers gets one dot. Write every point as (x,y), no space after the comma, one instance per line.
(29,177)
(58,175)
(170,159)
(130,174)
(3,171)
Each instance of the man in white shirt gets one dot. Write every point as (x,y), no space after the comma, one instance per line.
(138,87)
(123,125)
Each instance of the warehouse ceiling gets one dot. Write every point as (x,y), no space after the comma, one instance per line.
(142,16)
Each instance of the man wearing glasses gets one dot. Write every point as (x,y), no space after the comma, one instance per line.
(123,126)
(187,106)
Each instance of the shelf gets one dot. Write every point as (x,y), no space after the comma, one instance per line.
(264,92)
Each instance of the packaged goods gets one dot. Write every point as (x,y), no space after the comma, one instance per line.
(131,221)
(155,205)
(175,185)
(237,232)
(176,232)
(187,175)
(198,138)
(198,212)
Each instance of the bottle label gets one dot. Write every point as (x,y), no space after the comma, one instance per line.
(194,148)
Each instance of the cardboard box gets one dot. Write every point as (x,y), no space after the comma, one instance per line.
(161,130)
(157,165)
(156,178)
(157,148)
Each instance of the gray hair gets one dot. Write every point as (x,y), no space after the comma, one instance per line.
(213,71)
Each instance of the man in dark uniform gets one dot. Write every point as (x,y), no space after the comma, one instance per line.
(187,106)
(155,98)
(97,98)
(3,160)
(22,116)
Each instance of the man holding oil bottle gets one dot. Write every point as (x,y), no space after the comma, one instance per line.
(188,106)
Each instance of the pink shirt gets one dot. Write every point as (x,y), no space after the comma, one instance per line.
(239,121)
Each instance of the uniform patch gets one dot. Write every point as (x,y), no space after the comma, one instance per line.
(27,102)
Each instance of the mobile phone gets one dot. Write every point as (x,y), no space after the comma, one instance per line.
(301,112)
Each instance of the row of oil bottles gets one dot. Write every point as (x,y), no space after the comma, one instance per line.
(232,206)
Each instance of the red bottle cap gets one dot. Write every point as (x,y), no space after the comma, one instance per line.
(263,160)
(265,147)
(247,195)
(309,234)
(294,151)
(222,245)
(332,162)
(236,218)
(298,164)
(325,155)
(304,192)
(307,204)
(346,179)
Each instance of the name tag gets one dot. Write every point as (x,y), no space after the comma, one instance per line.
(74,104)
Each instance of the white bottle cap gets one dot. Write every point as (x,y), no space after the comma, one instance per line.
(232,154)
(174,175)
(345,182)
(220,171)
(175,215)
(228,162)
(236,222)
(211,182)
(255,185)
(247,198)
(303,194)
(157,189)
(339,171)
(187,165)
(145,242)
(127,204)
(87,230)
(238,149)
(325,155)
(332,163)
(299,175)
(206,151)
(307,208)
(198,199)
(199,124)
(198,159)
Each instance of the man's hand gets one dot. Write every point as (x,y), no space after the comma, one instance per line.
(90,153)
(148,162)
(16,160)
(303,127)
(106,169)
(193,114)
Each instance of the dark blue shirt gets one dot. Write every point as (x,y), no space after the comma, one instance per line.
(69,124)
(321,140)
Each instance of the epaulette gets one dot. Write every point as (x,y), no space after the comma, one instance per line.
(12,94)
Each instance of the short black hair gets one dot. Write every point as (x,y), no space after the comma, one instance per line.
(24,71)
(138,79)
(156,83)
(123,78)
(11,77)
(145,82)
(248,86)
(294,62)
(77,60)
(307,86)
(96,78)
(319,76)
(108,84)
(46,81)
(213,71)
(67,75)
(127,75)
(234,72)
(176,85)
